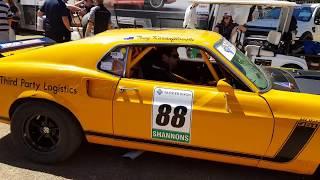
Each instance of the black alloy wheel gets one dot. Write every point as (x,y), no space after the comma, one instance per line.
(41,133)
(156,4)
(45,132)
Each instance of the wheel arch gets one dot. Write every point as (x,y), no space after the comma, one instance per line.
(42,98)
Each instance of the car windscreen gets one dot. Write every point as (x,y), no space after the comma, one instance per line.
(242,63)
(301,13)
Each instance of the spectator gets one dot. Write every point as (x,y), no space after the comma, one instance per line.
(57,22)
(227,27)
(190,17)
(85,6)
(5,21)
(15,18)
(99,19)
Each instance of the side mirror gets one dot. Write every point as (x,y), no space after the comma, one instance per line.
(225,87)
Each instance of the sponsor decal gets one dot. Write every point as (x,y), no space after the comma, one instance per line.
(171,114)
(164,38)
(45,86)
(129,38)
(227,49)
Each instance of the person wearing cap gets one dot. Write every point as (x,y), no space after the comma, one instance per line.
(190,17)
(227,27)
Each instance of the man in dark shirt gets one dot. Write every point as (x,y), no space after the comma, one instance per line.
(227,27)
(57,22)
(160,64)
(99,19)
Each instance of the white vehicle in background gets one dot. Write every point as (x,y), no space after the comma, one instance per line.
(307,16)
(29,9)
(260,55)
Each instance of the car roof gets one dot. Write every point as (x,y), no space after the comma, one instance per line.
(174,35)
(313,5)
(86,53)
(248,2)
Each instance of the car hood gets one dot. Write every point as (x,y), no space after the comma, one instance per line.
(266,23)
(295,80)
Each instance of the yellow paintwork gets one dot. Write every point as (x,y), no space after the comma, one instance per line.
(254,123)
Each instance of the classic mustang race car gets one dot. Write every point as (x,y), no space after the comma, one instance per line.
(183,92)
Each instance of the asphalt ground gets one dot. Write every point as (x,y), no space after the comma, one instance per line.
(93,162)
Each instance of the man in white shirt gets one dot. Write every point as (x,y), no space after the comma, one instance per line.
(190,17)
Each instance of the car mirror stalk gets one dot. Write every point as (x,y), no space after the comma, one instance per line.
(225,87)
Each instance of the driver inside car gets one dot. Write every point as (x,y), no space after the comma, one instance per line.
(160,64)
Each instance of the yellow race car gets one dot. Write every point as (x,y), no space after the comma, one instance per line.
(183,92)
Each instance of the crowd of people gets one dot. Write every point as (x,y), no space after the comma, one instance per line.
(57,15)
(95,18)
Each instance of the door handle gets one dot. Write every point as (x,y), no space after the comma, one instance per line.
(124,89)
(227,104)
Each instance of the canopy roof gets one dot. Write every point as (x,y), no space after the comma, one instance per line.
(248,2)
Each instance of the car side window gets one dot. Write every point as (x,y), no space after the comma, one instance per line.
(114,61)
(178,64)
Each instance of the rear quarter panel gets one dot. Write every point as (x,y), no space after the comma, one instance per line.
(64,84)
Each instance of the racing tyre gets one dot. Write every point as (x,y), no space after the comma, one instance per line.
(44,132)
(156,4)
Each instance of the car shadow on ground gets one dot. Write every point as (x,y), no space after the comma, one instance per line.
(104,162)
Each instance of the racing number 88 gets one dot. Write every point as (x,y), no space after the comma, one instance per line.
(177,121)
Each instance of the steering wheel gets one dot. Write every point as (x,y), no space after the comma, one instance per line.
(238,40)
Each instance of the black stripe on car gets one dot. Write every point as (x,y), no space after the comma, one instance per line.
(296,141)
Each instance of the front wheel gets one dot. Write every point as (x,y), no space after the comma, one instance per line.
(44,132)
(156,4)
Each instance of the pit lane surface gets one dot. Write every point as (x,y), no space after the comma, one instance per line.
(104,162)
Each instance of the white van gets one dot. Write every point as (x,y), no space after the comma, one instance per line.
(307,16)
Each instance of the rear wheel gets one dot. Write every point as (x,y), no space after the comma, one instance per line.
(156,4)
(44,132)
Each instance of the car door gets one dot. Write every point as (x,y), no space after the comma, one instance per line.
(237,124)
